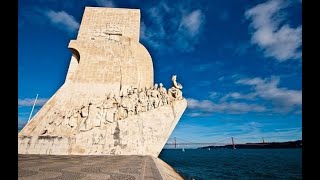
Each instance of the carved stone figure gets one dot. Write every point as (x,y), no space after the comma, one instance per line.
(175,91)
(126,105)
(130,90)
(121,113)
(162,89)
(149,92)
(84,111)
(48,129)
(143,101)
(110,109)
(131,104)
(155,97)
(138,108)
(74,118)
(155,87)
(94,117)
(150,103)
(163,95)
(174,82)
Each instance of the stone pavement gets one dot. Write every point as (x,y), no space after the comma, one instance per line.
(90,167)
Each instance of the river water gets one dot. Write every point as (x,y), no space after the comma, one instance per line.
(236,163)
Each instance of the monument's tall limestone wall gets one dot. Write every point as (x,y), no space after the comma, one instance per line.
(108,103)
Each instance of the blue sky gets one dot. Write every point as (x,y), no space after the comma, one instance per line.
(238,61)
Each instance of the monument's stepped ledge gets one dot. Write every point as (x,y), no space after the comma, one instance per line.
(34,167)
(143,134)
(166,171)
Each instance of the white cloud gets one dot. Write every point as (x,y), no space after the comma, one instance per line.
(105,3)
(265,95)
(188,34)
(223,107)
(199,114)
(279,41)
(174,25)
(213,94)
(150,36)
(221,78)
(192,22)
(283,99)
(63,20)
(30,101)
(236,95)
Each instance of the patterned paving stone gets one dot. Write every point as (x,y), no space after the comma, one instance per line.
(25,173)
(130,170)
(87,167)
(116,176)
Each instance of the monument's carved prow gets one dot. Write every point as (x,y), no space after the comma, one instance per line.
(109,103)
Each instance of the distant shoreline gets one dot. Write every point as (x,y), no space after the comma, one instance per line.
(271,145)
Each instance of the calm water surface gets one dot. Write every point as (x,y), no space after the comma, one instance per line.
(236,164)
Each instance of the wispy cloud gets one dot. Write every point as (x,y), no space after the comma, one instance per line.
(32,15)
(63,20)
(237,48)
(199,114)
(283,99)
(30,101)
(264,95)
(202,67)
(174,25)
(237,95)
(274,37)
(213,94)
(221,78)
(209,106)
(192,22)
(105,3)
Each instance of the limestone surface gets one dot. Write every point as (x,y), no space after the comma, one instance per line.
(108,103)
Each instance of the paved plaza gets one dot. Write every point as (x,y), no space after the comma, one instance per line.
(87,167)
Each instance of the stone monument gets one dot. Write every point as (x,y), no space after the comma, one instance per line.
(108,104)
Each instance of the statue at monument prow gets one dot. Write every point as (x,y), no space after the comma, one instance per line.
(109,104)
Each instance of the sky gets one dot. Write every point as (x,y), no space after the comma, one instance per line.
(239,61)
